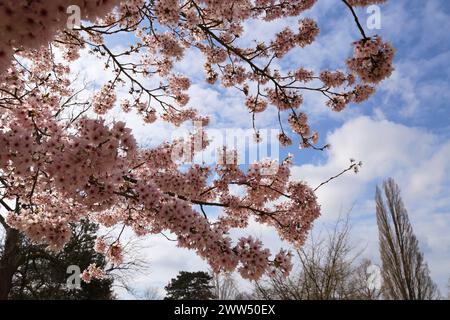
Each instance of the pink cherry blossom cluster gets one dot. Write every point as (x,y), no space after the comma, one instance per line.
(372,60)
(92,272)
(58,164)
(283,263)
(308,31)
(299,123)
(177,86)
(104,100)
(284,139)
(298,214)
(363,3)
(188,26)
(333,79)
(168,11)
(254,257)
(49,227)
(303,75)
(31,24)
(256,105)
(115,254)
(359,94)
(161,200)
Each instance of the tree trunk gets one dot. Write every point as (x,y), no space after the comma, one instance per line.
(9,261)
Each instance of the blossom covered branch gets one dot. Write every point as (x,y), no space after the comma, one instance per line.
(61,165)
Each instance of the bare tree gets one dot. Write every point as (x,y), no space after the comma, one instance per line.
(224,286)
(134,264)
(405,273)
(327,270)
(366,280)
(150,293)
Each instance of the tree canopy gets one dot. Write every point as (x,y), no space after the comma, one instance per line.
(43,274)
(62,161)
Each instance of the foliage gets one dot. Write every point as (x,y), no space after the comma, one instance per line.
(43,274)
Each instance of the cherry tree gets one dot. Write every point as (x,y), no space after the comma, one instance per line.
(62,161)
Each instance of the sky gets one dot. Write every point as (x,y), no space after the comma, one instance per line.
(402,132)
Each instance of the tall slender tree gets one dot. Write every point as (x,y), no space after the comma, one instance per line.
(405,273)
(224,286)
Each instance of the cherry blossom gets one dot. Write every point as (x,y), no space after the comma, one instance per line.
(92,272)
(60,162)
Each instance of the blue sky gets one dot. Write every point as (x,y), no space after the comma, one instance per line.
(407,124)
(402,132)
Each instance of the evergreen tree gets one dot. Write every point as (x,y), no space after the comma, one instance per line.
(43,274)
(190,286)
